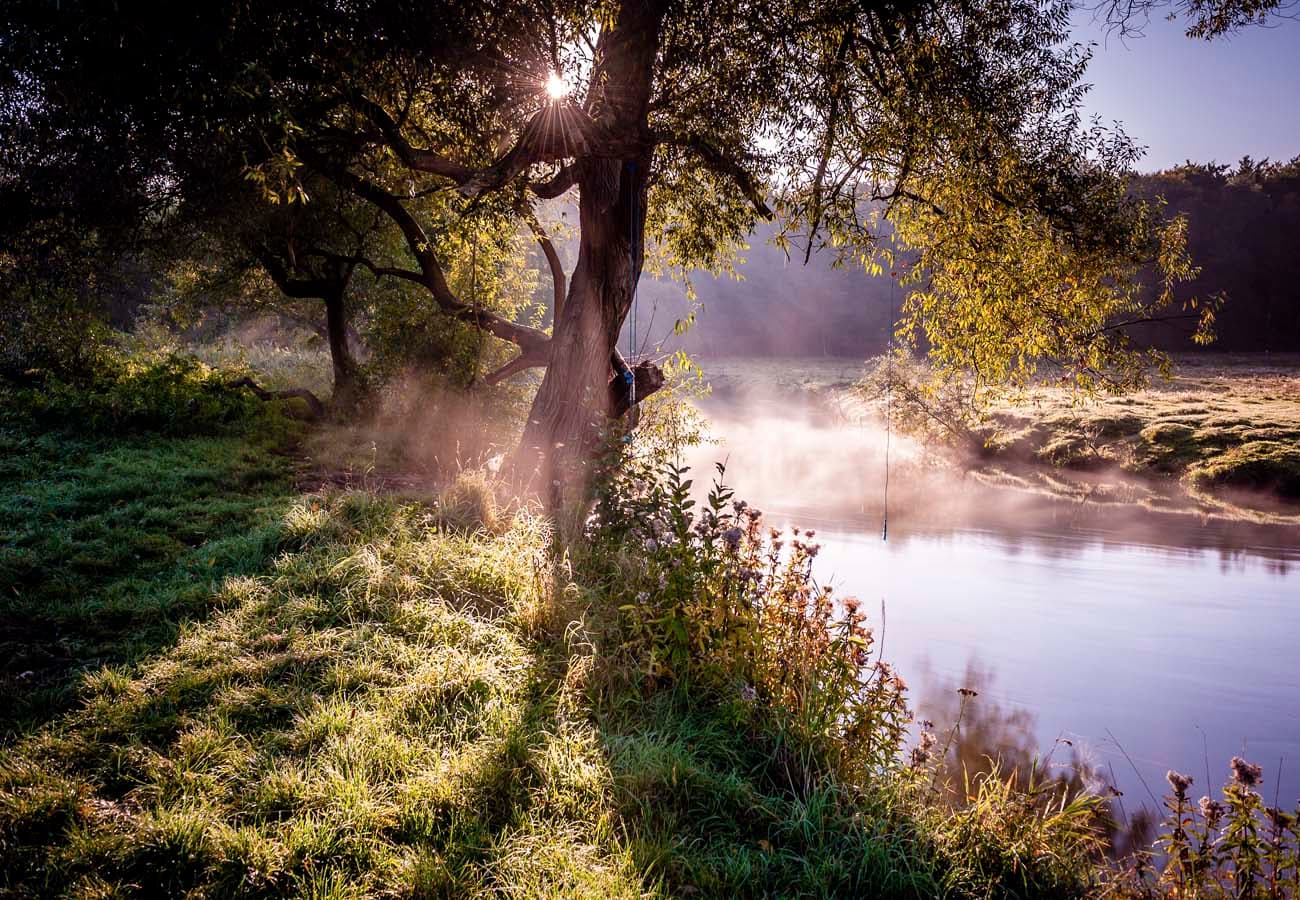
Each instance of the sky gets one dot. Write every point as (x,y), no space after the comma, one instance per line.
(1192,99)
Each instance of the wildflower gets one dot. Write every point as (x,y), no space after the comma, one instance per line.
(1246,774)
(1179,782)
(812,549)
(1211,811)
(924,750)
(731,537)
(851,605)
(967,692)
(748,693)
(739,506)
(810,534)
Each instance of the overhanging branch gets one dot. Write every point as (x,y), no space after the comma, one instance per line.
(724,164)
(431,275)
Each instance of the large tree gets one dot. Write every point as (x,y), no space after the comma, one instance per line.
(676,124)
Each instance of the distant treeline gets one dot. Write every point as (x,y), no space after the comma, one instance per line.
(1244,233)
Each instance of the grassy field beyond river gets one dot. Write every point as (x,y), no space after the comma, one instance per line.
(1222,422)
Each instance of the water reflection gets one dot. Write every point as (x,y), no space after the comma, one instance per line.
(979,736)
(1150,640)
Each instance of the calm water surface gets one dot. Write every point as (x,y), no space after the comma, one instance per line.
(1149,641)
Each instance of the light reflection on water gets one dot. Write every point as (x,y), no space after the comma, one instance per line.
(1178,637)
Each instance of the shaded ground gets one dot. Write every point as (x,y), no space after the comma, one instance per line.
(107,547)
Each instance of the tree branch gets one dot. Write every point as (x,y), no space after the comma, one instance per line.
(564,179)
(316,409)
(431,275)
(722,163)
(530,359)
(414,157)
(558,280)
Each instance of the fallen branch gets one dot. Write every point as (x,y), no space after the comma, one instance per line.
(314,405)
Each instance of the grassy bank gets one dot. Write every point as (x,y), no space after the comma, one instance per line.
(1220,423)
(238,689)
(347,696)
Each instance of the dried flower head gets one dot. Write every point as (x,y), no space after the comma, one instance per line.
(1246,774)
(1179,782)
(1212,811)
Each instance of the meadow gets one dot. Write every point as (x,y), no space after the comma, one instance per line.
(226,676)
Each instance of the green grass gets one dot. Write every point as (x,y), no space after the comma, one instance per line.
(230,690)
(108,546)
(1220,423)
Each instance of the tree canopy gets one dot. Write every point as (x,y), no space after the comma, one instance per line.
(941,139)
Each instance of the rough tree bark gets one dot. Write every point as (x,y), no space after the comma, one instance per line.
(576,395)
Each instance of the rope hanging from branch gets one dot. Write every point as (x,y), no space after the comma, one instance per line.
(630,374)
(889,398)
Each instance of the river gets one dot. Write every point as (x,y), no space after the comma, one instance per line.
(1105,637)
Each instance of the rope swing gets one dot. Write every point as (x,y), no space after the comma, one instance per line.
(629,375)
(889,397)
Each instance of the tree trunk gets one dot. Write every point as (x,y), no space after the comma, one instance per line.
(572,408)
(574,403)
(347,380)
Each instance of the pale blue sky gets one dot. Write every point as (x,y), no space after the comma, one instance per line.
(1198,100)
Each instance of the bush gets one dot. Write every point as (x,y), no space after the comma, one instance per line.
(720,598)
(172,394)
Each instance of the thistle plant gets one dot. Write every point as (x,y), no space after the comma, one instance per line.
(719,597)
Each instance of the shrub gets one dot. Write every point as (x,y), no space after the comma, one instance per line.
(170,394)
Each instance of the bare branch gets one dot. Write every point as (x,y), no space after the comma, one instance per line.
(531,359)
(558,280)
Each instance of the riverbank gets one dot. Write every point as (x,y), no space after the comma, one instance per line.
(1220,438)
(265,691)
(1225,425)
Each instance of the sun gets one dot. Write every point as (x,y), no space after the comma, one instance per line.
(556,87)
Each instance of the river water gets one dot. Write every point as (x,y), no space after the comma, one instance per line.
(1104,638)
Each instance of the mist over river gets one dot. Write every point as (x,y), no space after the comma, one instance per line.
(1128,640)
